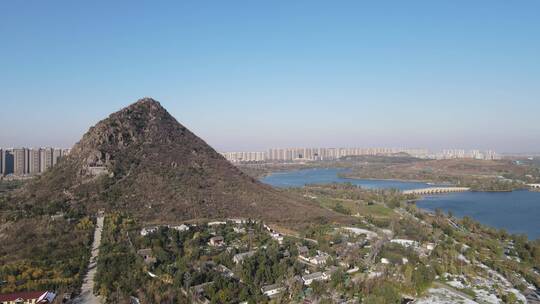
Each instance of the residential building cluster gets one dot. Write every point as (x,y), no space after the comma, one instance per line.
(471,154)
(21,162)
(237,157)
(313,154)
(355,252)
(290,154)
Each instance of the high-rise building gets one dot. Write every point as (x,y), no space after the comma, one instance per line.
(236,157)
(20,161)
(57,153)
(34,160)
(24,161)
(491,155)
(3,165)
(46,159)
(8,162)
(27,160)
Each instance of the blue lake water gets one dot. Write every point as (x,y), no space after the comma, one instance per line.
(517,212)
(299,178)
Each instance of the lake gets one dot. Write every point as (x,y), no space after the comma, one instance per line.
(299,178)
(517,211)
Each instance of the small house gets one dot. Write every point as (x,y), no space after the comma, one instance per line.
(277,236)
(239,230)
(239,258)
(217,223)
(226,272)
(199,294)
(216,241)
(405,243)
(147,255)
(316,276)
(272,290)
(148,230)
(32,297)
(320,258)
(180,228)
(303,250)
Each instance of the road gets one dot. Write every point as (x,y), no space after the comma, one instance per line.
(87,295)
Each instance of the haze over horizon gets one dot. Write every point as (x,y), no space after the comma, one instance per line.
(250,76)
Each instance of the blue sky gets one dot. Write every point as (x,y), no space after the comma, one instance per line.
(249,75)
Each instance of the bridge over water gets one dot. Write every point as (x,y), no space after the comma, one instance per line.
(436,190)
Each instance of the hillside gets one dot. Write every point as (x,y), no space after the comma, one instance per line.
(141,160)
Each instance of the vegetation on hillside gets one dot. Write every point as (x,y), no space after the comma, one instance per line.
(9,185)
(140,158)
(187,267)
(41,253)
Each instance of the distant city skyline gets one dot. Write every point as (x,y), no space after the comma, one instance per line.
(27,162)
(327,153)
(257,75)
(261,148)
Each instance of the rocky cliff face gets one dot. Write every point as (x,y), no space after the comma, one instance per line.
(140,159)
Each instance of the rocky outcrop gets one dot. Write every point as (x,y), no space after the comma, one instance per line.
(161,171)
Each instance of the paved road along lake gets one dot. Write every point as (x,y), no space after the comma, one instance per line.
(517,212)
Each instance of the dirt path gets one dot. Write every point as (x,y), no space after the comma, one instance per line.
(87,295)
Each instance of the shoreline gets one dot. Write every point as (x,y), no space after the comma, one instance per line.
(429,183)
(394,180)
(445,213)
(420,199)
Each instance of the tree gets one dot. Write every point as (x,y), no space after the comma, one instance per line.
(318,288)
(338,279)
(384,294)
(422,278)
(510,298)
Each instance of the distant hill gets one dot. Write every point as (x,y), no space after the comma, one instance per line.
(140,159)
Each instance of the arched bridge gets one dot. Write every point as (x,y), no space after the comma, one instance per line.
(535,186)
(436,190)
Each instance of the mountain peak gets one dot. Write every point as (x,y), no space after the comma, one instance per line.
(145,101)
(143,105)
(143,160)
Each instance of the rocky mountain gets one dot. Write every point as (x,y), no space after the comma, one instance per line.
(142,160)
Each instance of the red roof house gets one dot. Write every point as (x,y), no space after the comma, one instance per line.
(27,297)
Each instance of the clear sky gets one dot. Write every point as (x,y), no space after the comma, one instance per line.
(249,75)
